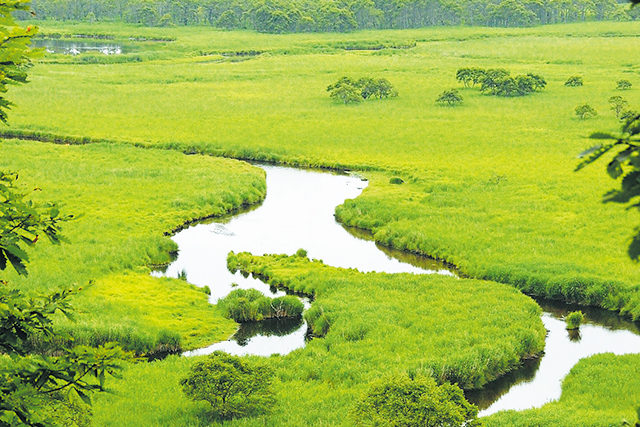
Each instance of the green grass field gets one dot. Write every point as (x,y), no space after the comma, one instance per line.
(489,186)
(431,324)
(126,199)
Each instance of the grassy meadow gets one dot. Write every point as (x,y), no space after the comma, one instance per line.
(126,199)
(430,324)
(488,186)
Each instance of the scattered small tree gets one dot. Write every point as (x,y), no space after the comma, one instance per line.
(450,97)
(350,91)
(574,320)
(234,387)
(618,105)
(574,81)
(623,85)
(419,401)
(585,111)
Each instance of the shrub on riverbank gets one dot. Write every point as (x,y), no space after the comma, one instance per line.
(418,401)
(574,320)
(250,305)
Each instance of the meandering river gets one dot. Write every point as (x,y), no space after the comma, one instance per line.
(298,212)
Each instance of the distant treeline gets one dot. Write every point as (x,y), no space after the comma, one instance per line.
(280,16)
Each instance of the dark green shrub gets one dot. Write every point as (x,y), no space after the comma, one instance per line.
(574,319)
(233,386)
(351,91)
(396,180)
(402,401)
(450,97)
(585,111)
(623,85)
(574,81)
(301,253)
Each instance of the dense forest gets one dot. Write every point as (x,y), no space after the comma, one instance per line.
(280,16)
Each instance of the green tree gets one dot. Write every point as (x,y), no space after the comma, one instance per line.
(623,85)
(30,384)
(404,401)
(233,386)
(450,97)
(574,81)
(618,105)
(624,165)
(585,111)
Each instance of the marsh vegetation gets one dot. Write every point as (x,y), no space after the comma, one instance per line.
(488,187)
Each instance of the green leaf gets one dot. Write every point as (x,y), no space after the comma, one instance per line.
(614,169)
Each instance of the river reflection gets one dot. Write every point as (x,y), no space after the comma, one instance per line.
(298,212)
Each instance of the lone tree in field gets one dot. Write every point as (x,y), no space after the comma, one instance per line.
(624,85)
(449,97)
(574,81)
(618,105)
(585,111)
(403,401)
(233,386)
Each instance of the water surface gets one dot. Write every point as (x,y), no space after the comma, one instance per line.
(73,47)
(298,212)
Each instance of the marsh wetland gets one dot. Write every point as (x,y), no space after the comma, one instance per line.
(424,239)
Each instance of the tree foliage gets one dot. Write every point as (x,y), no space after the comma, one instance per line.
(349,91)
(623,85)
(276,16)
(499,82)
(31,382)
(22,222)
(450,97)
(618,105)
(585,111)
(419,401)
(234,387)
(624,166)
(574,81)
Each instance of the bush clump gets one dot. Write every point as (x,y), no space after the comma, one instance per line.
(350,91)
(396,180)
(301,253)
(234,387)
(623,85)
(574,320)
(250,305)
(499,82)
(574,81)
(585,111)
(450,97)
(418,401)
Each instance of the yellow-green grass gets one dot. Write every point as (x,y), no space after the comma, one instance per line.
(126,199)
(603,390)
(461,330)
(490,186)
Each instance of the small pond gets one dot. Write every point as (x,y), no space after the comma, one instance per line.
(73,47)
(298,212)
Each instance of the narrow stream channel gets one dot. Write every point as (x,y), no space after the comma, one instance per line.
(298,212)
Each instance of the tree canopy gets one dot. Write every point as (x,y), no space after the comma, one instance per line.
(277,16)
